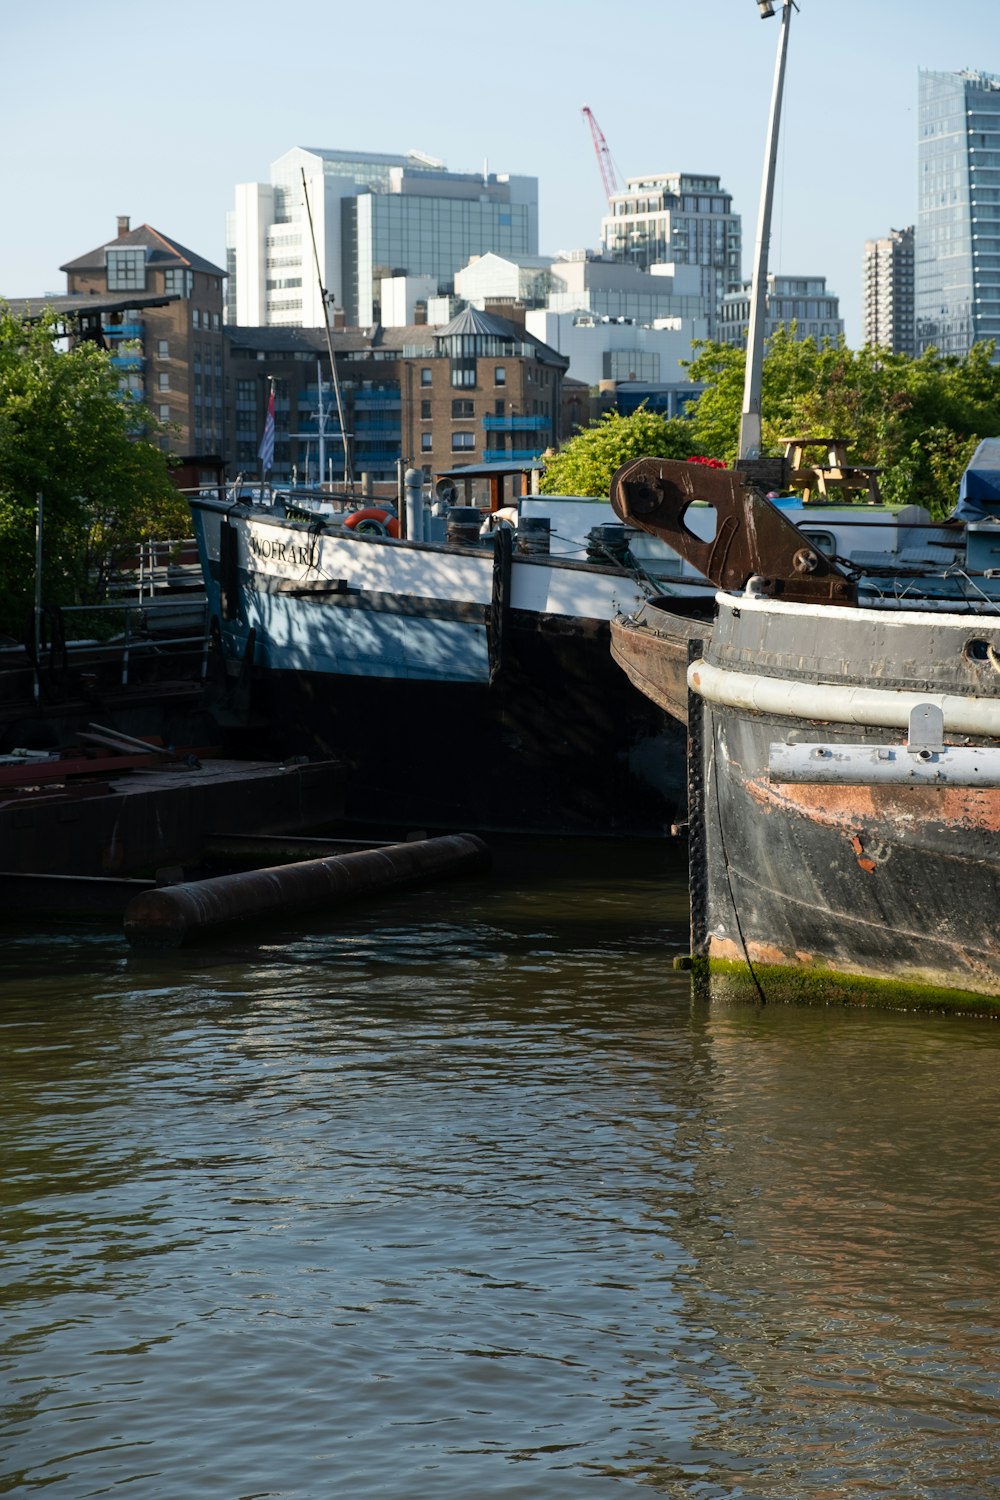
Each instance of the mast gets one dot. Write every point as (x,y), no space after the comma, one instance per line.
(750,436)
(348,468)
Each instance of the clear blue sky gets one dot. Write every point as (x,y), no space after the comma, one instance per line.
(157,112)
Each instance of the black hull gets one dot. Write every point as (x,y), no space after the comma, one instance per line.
(831,859)
(878,893)
(559,743)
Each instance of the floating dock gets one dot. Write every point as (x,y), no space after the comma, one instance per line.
(133,815)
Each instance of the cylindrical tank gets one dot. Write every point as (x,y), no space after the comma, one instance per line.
(533,535)
(464,522)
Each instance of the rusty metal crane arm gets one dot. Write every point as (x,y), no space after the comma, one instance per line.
(753,539)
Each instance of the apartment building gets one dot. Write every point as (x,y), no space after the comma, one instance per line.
(889,292)
(171,356)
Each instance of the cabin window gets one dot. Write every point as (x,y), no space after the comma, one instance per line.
(823,541)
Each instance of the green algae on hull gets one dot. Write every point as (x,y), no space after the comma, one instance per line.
(723,980)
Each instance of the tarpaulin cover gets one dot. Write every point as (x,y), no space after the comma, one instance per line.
(979,492)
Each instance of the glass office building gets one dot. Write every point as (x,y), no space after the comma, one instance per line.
(424,234)
(373,216)
(957,292)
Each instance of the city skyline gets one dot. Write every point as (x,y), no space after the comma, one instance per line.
(163,126)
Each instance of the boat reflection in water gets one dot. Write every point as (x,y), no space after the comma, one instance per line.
(838,1301)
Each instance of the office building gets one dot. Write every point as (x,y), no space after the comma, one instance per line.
(957,290)
(374,216)
(800,304)
(682,218)
(888,292)
(616,349)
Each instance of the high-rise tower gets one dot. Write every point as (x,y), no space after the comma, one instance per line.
(888,292)
(958,228)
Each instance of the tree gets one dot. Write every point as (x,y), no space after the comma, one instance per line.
(69,434)
(917,420)
(585,465)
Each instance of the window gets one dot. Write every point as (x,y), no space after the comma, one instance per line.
(500,375)
(426,442)
(426,376)
(463,371)
(126,269)
(163,348)
(164,411)
(463,442)
(179,281)
(425,411)
(195,318)
(164,381)
(463,408)
(499,407)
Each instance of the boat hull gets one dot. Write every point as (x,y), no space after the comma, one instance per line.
(654,647)
(830,883)
(458,691)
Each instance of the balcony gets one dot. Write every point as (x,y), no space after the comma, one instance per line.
(382,400)
(377,453)
(517,424)
(515,455)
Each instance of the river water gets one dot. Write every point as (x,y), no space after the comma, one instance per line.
(459,1195)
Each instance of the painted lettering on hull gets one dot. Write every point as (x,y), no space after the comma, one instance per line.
(298,554)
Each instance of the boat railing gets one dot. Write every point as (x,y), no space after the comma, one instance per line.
(114,635)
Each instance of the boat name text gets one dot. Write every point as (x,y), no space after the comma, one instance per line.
(286,552)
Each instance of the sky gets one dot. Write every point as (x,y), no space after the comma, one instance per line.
(158,112)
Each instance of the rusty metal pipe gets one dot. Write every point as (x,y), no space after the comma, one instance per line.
(174,915)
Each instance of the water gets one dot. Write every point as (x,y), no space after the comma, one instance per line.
(459,1196)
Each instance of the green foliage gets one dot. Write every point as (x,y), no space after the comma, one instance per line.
(917,420)
(585,464)
(67,433)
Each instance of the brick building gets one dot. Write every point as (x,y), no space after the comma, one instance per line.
(477,390)
(170,355)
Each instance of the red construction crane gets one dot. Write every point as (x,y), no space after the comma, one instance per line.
(603,155)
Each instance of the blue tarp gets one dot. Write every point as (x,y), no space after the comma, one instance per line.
(979,492)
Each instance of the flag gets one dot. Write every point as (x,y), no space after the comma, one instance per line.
(266,450)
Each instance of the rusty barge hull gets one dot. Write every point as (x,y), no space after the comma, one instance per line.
(811,877)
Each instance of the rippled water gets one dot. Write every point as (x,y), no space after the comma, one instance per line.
(460,1196)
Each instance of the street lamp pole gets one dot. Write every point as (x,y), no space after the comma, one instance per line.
(750,433)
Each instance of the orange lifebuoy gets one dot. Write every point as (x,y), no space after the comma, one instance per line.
(373,522)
